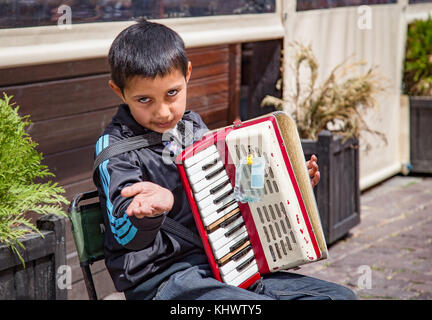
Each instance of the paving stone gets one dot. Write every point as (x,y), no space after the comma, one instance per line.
(393,239)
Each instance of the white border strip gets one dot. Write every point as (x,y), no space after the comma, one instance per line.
(27,46)
(380,175)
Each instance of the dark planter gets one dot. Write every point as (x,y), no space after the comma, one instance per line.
(421,134)
(338,192)
(42,256)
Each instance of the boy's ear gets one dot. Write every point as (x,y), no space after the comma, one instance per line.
(188,72)
(116,90)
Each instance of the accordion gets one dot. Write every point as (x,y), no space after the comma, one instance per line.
(281,228)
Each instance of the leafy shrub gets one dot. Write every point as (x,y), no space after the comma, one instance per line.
(20,166)
(417,78)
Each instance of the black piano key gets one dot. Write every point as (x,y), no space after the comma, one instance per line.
(230,220)
(238,244)
(244,264)
(209,165)
(226,206)
(241,253)
(237,227)
(218,187)
(214,173)
(223,196)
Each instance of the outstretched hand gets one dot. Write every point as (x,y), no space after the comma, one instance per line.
(149,199)
(313,170)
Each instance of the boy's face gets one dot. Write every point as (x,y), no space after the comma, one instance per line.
(156,104)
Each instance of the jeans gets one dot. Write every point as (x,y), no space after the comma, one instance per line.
(197,283)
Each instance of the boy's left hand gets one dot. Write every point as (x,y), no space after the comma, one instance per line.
(313,171)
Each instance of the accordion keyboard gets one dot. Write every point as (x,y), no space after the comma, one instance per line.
(221,216)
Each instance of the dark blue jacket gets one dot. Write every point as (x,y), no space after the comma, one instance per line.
(137,251)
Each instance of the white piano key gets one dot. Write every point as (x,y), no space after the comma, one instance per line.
(249,272)
(199,156)
(198,167)
(209,200)
(216,215)
(220,232)
(228,241)
(231,265)
(197,187)
(206,191)
(212,207)
(200,175)
(219,253)
(235,273)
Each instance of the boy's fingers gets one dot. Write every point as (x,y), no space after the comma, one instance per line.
(136,206)
(134,189)
(313,169)
(316,179)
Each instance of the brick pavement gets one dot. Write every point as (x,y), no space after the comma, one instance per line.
(392,244)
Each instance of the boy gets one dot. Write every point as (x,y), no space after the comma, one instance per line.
(137,189)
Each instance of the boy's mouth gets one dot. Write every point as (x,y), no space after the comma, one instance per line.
(163,124)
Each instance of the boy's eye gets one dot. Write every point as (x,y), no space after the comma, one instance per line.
(172,93)
(144,100)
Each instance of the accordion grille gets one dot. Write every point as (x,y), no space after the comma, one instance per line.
(280,240)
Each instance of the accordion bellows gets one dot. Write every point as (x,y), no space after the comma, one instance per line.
(244,240)
(294,149)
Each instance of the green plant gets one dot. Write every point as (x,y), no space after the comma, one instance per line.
(337,105)
(417,78)
(20,165)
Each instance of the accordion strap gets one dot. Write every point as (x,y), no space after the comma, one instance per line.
(138,142)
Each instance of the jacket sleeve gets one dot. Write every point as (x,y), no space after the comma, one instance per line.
(113,175)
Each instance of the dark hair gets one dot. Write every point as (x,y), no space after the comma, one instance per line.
(146,49)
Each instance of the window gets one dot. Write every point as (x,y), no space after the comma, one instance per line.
(325,4)
(419,1)
(33,13)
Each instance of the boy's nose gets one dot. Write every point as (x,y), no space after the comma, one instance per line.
(163,111)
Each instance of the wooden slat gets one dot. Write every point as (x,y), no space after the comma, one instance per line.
(71,166)
(70,132)
(207,56)
(209,70)
(52,71)
(69,69)
(72,189)
(214,114)
(207,86)
(49,100)
(198,102)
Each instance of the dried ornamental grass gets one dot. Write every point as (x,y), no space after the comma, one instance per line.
(337,105)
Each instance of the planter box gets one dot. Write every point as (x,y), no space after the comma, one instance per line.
(421,134)
(338,192)
(42,256)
